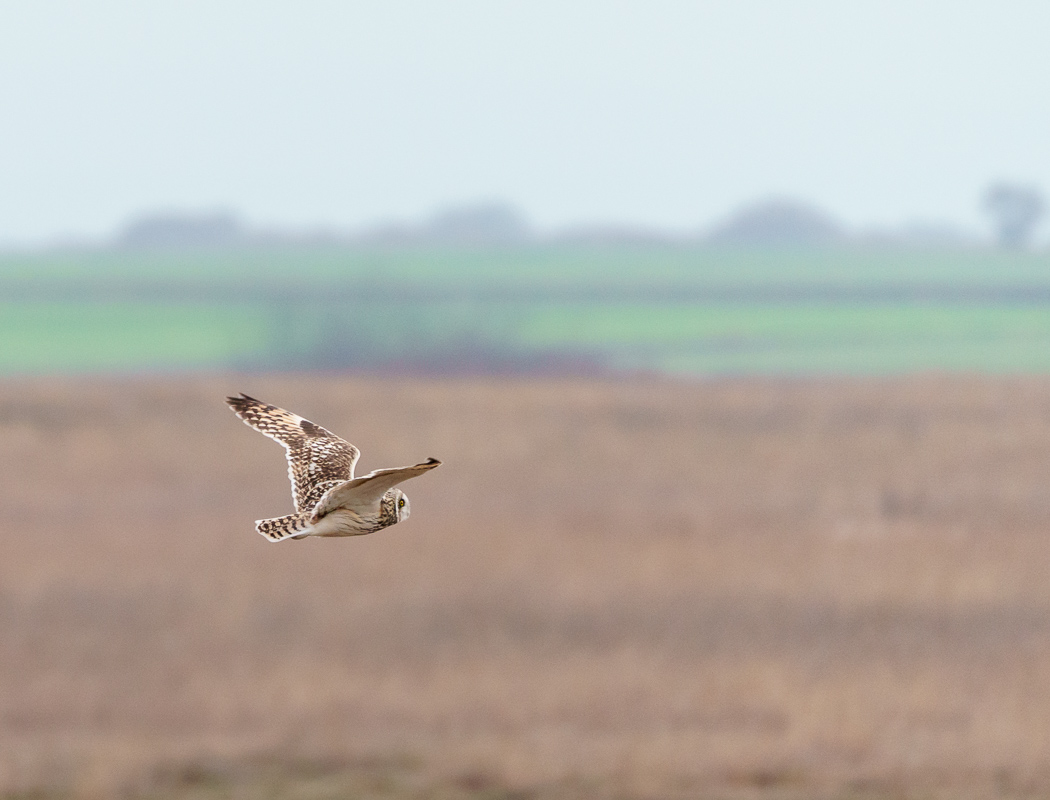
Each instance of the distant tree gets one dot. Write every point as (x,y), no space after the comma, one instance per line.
(483,223)
(778,222)
(1015,210)
(176,230)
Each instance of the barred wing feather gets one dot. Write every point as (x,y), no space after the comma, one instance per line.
(318,460)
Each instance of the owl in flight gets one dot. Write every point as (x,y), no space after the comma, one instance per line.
(329,500)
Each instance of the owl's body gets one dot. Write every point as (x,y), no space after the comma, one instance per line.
(329,500)
(340,522)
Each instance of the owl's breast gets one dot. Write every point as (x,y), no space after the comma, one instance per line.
(343,522)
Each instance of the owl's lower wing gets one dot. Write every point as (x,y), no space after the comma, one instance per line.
(362,494)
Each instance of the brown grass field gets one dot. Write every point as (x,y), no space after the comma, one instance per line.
(637,589)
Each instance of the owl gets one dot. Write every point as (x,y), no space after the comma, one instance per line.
(329,500)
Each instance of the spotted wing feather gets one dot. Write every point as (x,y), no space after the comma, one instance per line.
(317,458)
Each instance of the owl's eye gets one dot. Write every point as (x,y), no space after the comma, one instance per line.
(401,503)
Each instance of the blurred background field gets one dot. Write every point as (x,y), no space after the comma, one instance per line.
(740,588)
(674,309)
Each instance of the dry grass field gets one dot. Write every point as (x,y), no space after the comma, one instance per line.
(640,589)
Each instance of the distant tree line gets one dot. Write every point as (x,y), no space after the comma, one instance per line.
(1014,209)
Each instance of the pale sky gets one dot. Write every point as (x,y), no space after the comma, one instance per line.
(657,113)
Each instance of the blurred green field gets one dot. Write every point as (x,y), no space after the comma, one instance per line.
(666,309)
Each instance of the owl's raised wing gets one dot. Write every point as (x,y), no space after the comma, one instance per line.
(362,494)
(316,457)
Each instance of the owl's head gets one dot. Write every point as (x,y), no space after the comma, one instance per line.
(401,505)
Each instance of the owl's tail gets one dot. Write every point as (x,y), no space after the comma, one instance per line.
(292,526)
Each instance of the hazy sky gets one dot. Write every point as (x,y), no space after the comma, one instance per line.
(660,113)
